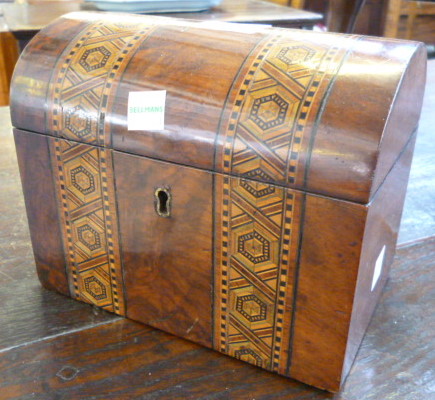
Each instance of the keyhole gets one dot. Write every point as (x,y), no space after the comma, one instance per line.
(163,202)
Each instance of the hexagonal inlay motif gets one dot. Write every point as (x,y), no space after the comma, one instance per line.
(254,247)
(89,237)
(95,58)
(251,307)
(78,121)
(257,189)
(95,288)
(295,54)
(82,180)
(249,356)
(268,111)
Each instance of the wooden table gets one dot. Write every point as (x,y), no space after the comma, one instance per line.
(25,20)
(52,347)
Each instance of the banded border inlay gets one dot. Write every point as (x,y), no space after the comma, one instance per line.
(88,219)
(274,105)
(82,86)
(87,75)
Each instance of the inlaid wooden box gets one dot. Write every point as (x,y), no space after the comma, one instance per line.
(259,218)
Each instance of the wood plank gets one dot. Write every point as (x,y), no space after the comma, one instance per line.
(125,359)
(8,58)
(392,18)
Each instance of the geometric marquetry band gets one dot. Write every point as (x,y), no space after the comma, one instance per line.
(273,110)
(88,215)
(87,72)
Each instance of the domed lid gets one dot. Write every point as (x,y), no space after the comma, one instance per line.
(324,113)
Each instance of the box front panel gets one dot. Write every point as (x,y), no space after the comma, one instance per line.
(166,248)
(256,271)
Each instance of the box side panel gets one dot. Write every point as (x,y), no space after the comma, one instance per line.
(380,239)
(167,261)
(346,145)
(42,209)
(331,241)
(31,80)
(404,116)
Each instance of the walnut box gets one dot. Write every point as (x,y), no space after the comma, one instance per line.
(237,186)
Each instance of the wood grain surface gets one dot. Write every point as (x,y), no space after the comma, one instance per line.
(277,100)
(125,360)
(53,347)
(254,261)
(28,313)
(167,255)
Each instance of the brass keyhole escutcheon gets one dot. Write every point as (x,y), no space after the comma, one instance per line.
(163,202)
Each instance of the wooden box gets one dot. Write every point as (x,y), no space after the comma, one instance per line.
(259,218)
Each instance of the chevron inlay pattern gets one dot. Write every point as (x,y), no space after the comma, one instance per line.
(273,109)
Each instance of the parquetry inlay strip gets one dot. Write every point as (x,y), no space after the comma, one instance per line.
(87,73)
(270,124)
(89,221)
(81,87)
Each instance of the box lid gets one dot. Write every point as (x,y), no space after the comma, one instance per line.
(325,113)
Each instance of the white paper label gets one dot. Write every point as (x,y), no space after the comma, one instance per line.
(146,110)
(378,267)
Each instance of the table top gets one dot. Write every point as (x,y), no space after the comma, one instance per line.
(32,17)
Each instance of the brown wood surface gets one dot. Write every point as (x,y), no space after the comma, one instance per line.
(339,14)
(380,234)
(8,58)
(35,87)
(25,20)
(244,264)
(29,313)
(34,160)
(196,92)
(125,360)
(330,253)
(411,20)
(53,347)
(371,18)
(337,132)
(169,286)
(167,262)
